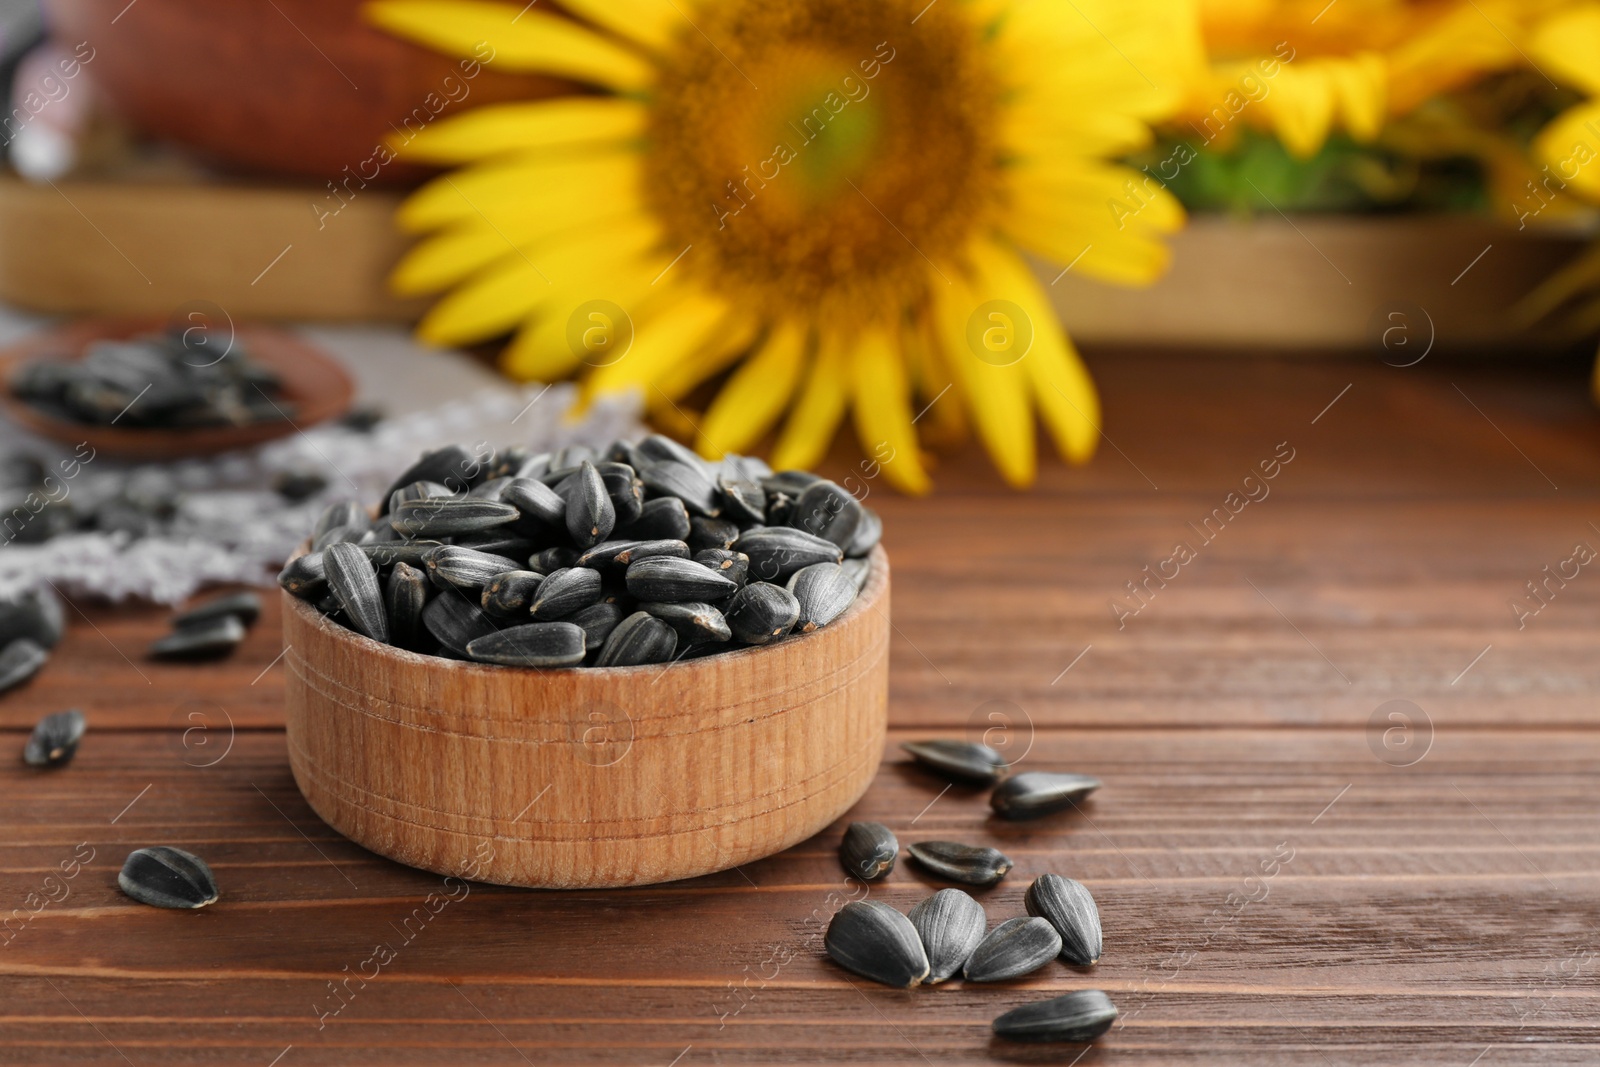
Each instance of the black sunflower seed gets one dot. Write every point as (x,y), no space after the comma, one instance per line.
(510,595)
(453,467)
(970,864)
(689,484)
(244,606)
(1080,1016)
(1036,793)
(791,481)
(540,505)
(951,924)
(491,489)
(614,556)
(639,639)
(508,547)
(405,597)
(828,511)
(1014,948)
(868,533)
(465,568)
(965,761)
(455,622)
(36,614)
(590,514)
(658,448)
(669,579)
(734,566)
(776,552)
(695,623)
(354,581)
(877,942)
(744,501)
(166,877)
(344,535)
(707,533)
(451,515)
(1068,906)
(859,571)
(565,591)
(203,640)
(662,519)
(824,591)
(550,560)
(416,491)
(54,739)
(340,514)
(596,621)
(303,577)
(539,644)
(626,492)
(388,553)
(761,613)
(868,850)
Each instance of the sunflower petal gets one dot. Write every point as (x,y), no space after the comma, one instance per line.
(720,351)
(660,343)
(815,417)
(533,126)
(1570,145)
(754,395)
(647,22)
(551,347)
(883,412)
(549,186)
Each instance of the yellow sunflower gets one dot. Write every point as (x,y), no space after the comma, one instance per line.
(830,197)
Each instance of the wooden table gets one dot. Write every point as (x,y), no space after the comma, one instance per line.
(1287,874)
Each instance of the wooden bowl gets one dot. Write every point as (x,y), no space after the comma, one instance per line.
(312,380)
(583,778)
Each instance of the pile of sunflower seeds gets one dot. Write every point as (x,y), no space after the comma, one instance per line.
(643,554)
(30,626)
(948,933)
(154,381)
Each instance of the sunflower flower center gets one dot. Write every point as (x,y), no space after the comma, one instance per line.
(819,155)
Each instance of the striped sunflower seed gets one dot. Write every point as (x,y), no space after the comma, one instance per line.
(1014,948)
(388,553)
(339,514)
(868,533)
(538,644)
(54,739)
(243,605)
(969,864)
(626,492)
(707,533)
(823,591)
(510,595)
(354,581)
(689,484)
(565,591)
(776,552)
(965,761)
(550,560)
(590,514)
(344,535)
(507,547)
(540,505)
(695,623)
(455,622)
(596,621)
(760,613)
(659,448)
(405,597)
(614,556)
(662,519)
(1036,793)
(744,501)
(734,566)
(453,467)
(1069,907)
(639,639)
(877,942)
(951,924)
(416,491)
(166,877)
(826,510)
(1081,1016)
(451,515)
(203,640)
(491,489)
(451,566)
(868,850)
(859,571)
(668,579)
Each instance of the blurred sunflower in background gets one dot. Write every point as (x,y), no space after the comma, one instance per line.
(830,199)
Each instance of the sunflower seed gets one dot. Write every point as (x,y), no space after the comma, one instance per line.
(1014,948)
(662,519)
(510,595)
(707,533)
(405,596)
(640,638)
(668,579)
(388,553)
(689,484)
(826,510)
(971,864)
(859,571)
(166,877)
(780,505)
(590,515)
(965,761)
(564,591)
(340,514)
(659,448)
(760,613)
(615,556)
(776,552)
(791,481)
(303,577)
(508,547)
(823,591)
(340,535)
(550,560)
(744,501)
(36,614)
(695,624)
(734,566)
(1036,793)
(539,644)
(596,621)
(54,739)
(244,606)
(453,467)
(465,568)
(456,622)
(203,640)
(1080,1016)
(868,533)
(868,850)
(491,489)
(951,924)
(416,491)
(354,581)
(539,504)
(1068,906)
(625,490)
(450,515)
(877,942)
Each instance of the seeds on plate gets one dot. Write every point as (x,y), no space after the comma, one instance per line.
(868,850)
(1014,948)
(1080,1016)
(1069,907)
(166,877)
(970,864)
(965,761)
(951,924)
(877,942)
(1036,793)
(54,739)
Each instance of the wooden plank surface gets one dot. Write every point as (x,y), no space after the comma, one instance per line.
(1277,885)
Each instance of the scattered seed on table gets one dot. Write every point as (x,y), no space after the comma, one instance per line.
(1036,793)
(21,660)
(166,877)
(877,942)
(243,605)
(951,924)
(868,850)
(36,614)
(204,640)
(969,864)
(1014,948)
(1080,1016)
(54,739)
(1070,908)
(965,761)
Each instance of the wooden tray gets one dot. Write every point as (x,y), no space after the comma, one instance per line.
(312,381)
(587,777)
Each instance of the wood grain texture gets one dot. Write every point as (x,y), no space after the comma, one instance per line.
(1429,912)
